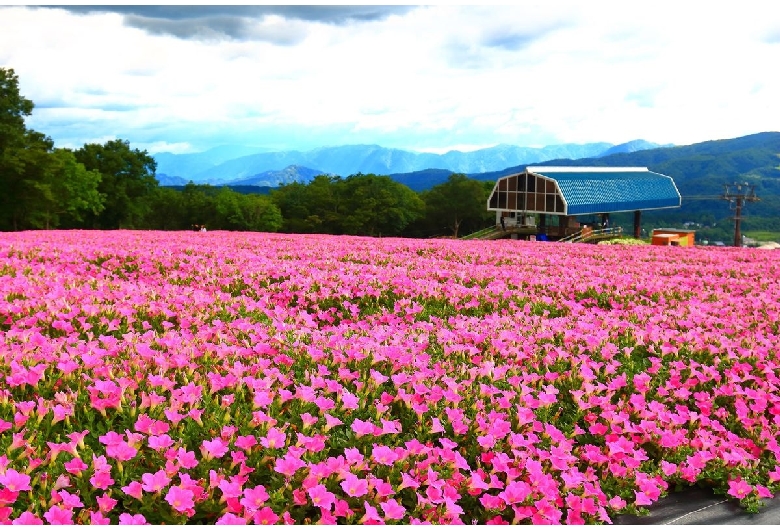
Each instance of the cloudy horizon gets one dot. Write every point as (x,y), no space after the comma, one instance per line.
(425,78)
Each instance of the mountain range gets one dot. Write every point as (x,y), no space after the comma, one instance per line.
(244,166)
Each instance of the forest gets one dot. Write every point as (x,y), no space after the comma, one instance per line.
(113,186)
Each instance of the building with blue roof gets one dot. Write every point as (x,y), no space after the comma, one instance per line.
(567,192)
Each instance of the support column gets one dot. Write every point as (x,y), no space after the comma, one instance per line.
(638,224)
(563,222)
(542,223)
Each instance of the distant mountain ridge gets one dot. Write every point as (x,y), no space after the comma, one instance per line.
(218,166)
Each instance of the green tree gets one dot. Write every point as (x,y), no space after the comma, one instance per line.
(457,204)
(14,108)
(293,201)
(68,191)
(378,206)
(128,181)
(166,210)
(250,212)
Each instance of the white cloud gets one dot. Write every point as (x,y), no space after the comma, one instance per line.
(427,78)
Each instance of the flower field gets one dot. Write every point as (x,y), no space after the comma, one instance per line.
(237,378)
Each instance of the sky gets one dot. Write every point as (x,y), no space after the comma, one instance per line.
(186,78)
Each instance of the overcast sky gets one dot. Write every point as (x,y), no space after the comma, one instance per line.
(187,78)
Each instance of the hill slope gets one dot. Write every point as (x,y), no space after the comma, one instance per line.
(700,170)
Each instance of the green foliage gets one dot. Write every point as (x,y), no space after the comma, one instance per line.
(457,205)
(377,205)
(127,181)
(358,205)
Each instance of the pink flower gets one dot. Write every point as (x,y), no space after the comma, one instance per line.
(739,488)
(349,401)
(101,480)
(254,498)
(121,451)
(274,439)
(288,465)
(186,459)
(321,497)
(155,483)
(371,515)
(180,499)
(354,486)
(97,518)
(383,455)
(231,489)
(231,519)
(160,442)
(515,492)
(59,516)
(215,448)
(8,497)
(134,489)
(407,481)
(106,503)
(15,481)
(362,428)
(245,442)
(27,518)
(265,516)
(392,509)
(127,519)
(75,466)
(70,500)
(332,421)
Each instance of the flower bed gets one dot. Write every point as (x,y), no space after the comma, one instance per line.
(237,378)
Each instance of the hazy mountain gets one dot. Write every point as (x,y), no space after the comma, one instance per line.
(272,178)
(167,180)
(189,164)
(216,167)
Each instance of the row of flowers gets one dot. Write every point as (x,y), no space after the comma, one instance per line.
(261,378)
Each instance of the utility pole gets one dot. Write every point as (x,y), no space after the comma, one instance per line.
(737,194)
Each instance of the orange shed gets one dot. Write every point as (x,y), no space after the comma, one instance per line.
(670,236)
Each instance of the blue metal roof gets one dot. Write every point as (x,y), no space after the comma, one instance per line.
(600,190)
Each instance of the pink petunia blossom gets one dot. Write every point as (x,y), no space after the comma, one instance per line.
(70,500)
(739,488)
(154,483)
(15,481)
(371,515)
(98,518)
(59,516)
(27,518)
(265,516)
(254,498)
(180,499)
(134,489)
(231,519)
(274,439)
(159,442)
(392,510)
(214,448)
(106,503)
(288,465)
(135,519)
(354,486)
(321,497)
(101,480)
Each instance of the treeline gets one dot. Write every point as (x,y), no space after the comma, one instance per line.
(372,205)
(111,185)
